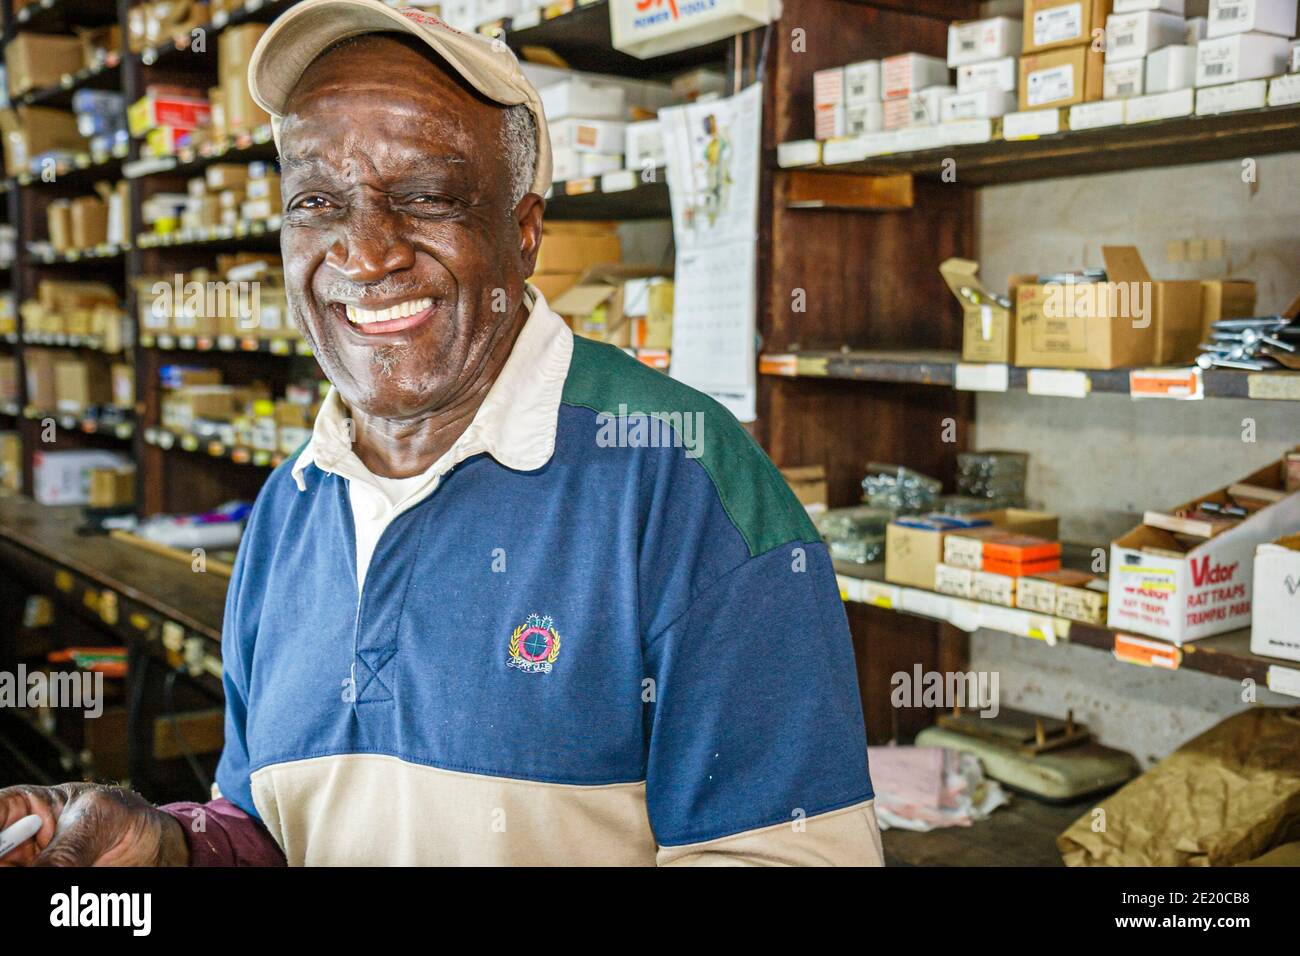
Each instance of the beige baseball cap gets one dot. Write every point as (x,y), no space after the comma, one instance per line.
(308,29)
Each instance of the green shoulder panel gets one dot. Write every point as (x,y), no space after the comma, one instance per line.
(751,490)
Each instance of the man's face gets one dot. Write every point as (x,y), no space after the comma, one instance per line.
(404,257)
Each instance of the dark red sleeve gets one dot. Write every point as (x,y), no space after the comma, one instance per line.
(221,834)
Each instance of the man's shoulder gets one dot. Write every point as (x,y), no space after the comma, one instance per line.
(627,395)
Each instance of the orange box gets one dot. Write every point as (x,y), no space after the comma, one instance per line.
(1020,549)
(1021,569)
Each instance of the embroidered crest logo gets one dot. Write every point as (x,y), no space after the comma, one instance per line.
(534,645)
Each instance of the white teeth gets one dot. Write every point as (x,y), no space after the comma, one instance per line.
(402,310)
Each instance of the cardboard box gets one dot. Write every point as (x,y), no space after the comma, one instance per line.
(1171,68)
(553,284)
(648,303)
(1242,56)
(1040,524)
(1161,588)
(1123,79)
(1001,75)
(11,461)
(914,547)
(965,549)
(112,487)
(583,98)
(644,145)
(1273,627)
(1168,6)
(570,248)
(89,222)
(1227,17)
(122,385)
(1225,299)
(58,219)
(909,73)
(1050,24)
(1131,36)
(589,136)
(1060,78)
(1130,320)
(1158,106)
(171,108)
(808,482)
(975,41)
(959,582)
(80,383)
(36,61)
(1086,602)
(38,370)
(993,588)
(594,305)
(864,118)
(862,83)
(63,477)
(988,330)
(984,104)
(32,130)
(1246,95)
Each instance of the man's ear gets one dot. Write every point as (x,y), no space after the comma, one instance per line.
(528,214)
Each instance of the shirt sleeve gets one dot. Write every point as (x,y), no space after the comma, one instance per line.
(227,831)
(221,834)
(757,753)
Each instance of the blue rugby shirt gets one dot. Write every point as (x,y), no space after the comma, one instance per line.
(610,649)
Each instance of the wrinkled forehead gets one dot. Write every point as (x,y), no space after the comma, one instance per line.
(384,90)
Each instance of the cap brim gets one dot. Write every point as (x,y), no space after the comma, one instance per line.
(306,30)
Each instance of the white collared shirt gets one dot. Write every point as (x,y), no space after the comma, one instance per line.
(515,425)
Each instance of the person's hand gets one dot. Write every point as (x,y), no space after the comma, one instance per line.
(86,824)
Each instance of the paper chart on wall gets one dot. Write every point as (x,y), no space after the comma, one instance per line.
(713,171)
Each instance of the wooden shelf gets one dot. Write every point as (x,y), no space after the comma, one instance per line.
(582,38)
(1225,655)
(619,195)
(939,368)
(1174,142)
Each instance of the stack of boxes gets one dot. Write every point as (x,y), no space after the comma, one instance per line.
(80,385)
(241,299)
(167,118)
(101,118)
(196,402)
(848,100)
(233,110)
(33,133)
(67,307)
(1247,42)
(37,61)
(84,222)
(984,54)
(1061,65)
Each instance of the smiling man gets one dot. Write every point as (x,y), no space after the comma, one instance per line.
(465,626)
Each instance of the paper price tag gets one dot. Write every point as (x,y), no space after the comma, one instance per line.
(1147,653)
(981,377)
(1284,680)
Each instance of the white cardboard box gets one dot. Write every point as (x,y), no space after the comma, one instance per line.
(829,121)
(909,73)
(1027,124)
(1242,56)
(1133,35)
(1000,75)
(982,104)
(644,145)
(868,117)
(828,88)
(588,136)
(1133,6)
(974,41)
(1246,95)
(1195,30)
(1097,114)
(583,98)
(1206,590)
(927,105)
(1245,16)
(1275,622)
(1284,90)
(1158,106)
(1171,68)
(862,82)
(1123,79)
